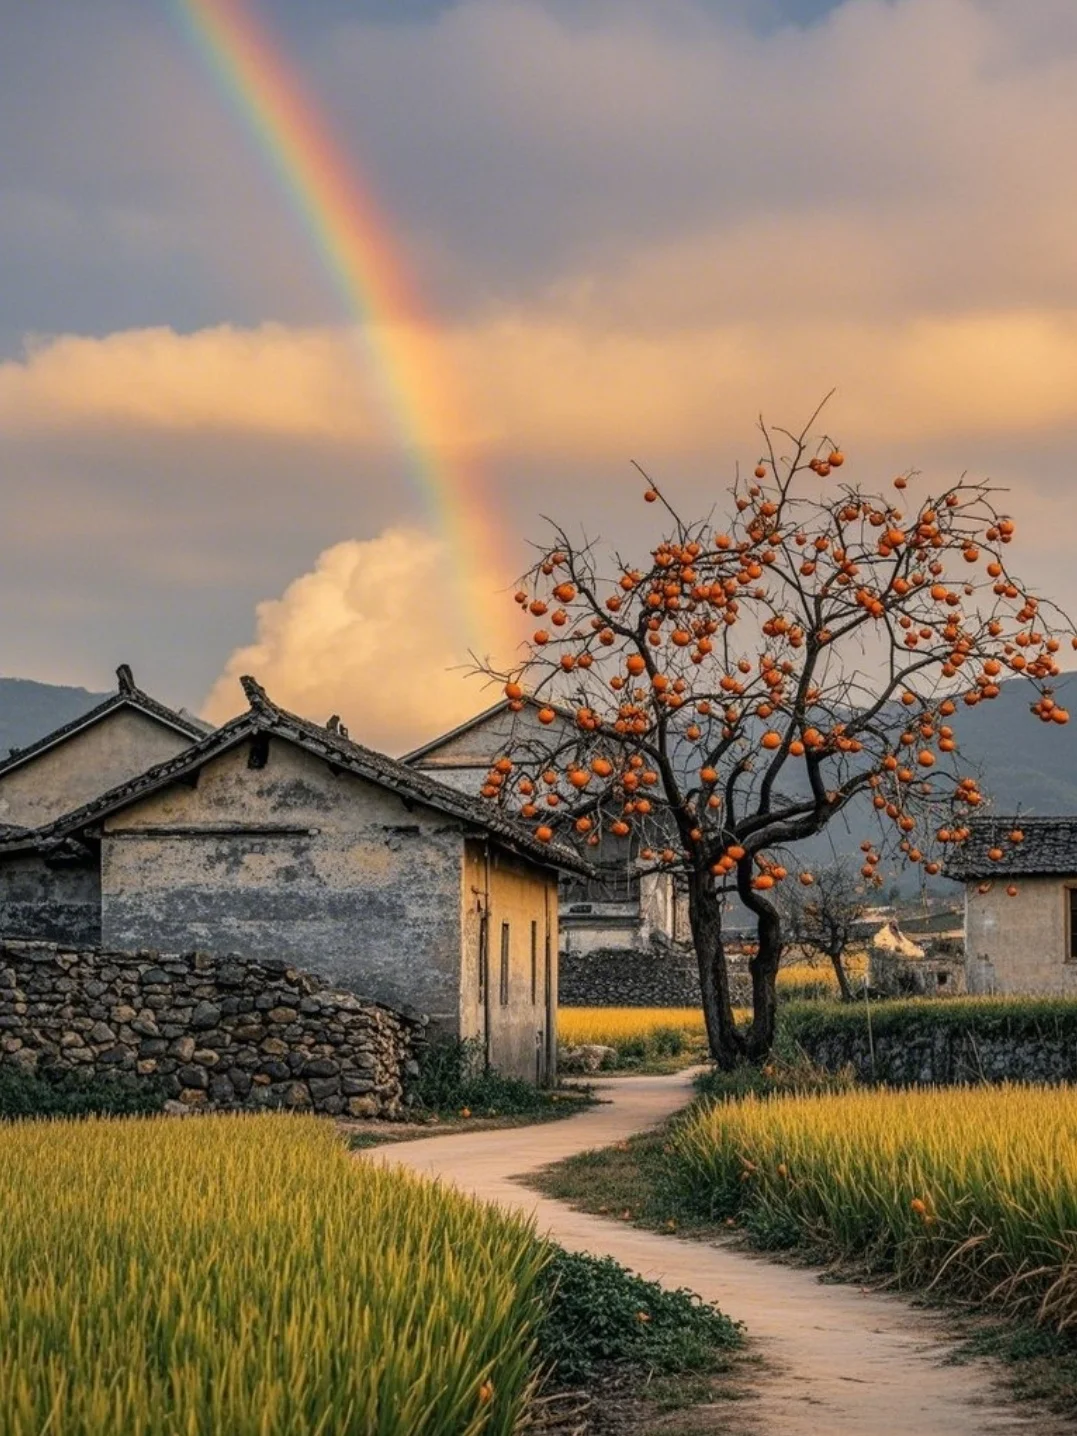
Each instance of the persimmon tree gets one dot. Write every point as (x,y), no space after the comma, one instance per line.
(821,917)
(732,692)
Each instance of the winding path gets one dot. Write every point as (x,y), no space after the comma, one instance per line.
(838,1361)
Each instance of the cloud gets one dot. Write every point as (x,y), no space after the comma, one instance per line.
(267,380)
(370,634)
(569,386)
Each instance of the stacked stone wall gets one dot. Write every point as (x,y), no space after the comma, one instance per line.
(213,1033)
(918,1043)
(658,976)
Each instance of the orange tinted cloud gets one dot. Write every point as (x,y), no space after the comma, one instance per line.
(365,635)
(570,386)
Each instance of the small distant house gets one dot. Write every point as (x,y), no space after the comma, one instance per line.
(273,836)
(121,737)
(612,904)
(901,967)
(1020,903)
(52,893)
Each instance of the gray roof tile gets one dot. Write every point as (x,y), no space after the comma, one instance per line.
(1049,846)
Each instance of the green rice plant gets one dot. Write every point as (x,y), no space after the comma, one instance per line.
(246,1275)
(971,1190)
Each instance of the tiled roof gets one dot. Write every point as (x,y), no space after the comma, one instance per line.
(1049,846)
(126,696)
(265,717)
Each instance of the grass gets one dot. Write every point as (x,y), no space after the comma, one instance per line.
(815,980)
(643,1039)
(969,1191)
(245,1274)
(917,1017)
(454,1082)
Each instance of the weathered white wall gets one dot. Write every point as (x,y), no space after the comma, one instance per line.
(1019,943)
(520,1034)
(118,747)
(609,925)
(369,898)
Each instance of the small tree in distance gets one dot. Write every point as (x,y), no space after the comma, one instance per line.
(822,916)
(735,690)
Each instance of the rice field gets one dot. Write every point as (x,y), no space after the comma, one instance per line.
(245,1275)
(611,1026)
(805,981)
(971,1189)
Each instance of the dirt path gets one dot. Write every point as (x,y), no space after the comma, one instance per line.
(840,1362)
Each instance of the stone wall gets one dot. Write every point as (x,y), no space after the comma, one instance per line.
(905,1049)
(211,1033)
(657,976)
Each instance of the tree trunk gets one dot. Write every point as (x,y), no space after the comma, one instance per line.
(764,970)
(839,973)
(705,916)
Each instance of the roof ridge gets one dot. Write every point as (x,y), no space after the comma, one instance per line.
(126,696)
(266,716)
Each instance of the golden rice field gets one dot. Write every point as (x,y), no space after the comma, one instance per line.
(245,1275)
(612,1026)
(801,978)
(974,1189)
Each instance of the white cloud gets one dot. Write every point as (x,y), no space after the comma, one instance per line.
(371,633)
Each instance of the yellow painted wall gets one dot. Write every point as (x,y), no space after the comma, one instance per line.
(518,899)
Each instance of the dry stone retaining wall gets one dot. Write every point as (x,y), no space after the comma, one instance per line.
(212,1033)
(658,976)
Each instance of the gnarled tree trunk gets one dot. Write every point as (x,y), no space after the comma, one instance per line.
(705,917)
(837,960)
(764,970)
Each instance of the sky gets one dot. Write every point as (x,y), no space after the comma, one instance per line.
(635,224)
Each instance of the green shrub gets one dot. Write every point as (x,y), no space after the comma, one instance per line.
(452,1077)
(63,1093)
(668,1041)
(1017,1016)
(796,1073)
(599,1313)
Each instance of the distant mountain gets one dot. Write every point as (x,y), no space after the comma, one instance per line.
(1026,765)
(29,710)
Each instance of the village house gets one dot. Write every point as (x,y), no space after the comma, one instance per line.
(120,738)
(53,893)
(1020,904)
(274,837)
(612,905)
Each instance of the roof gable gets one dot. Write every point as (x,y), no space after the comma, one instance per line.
(498,720)
(127,695)
(334,747)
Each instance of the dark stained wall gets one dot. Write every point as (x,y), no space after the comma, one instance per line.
(296,862)
(50,903)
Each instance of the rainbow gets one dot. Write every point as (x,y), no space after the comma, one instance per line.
(363,260)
